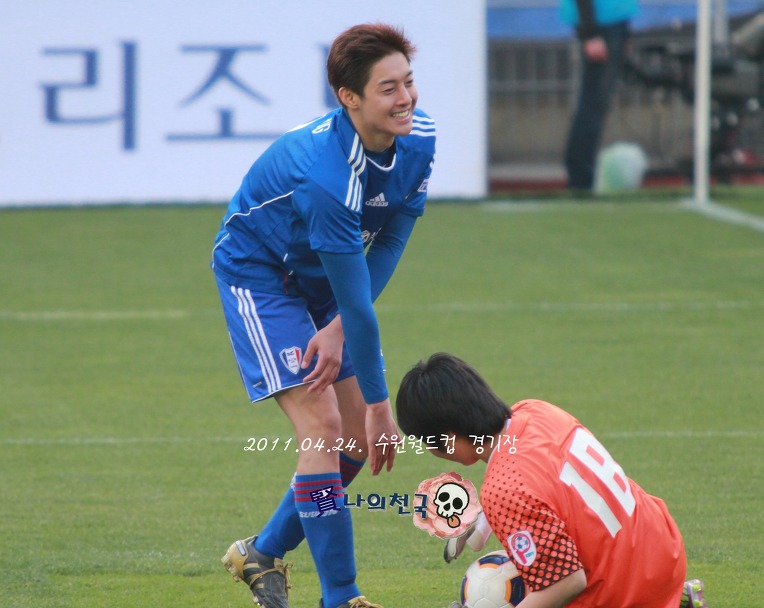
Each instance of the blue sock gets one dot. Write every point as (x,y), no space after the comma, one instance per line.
(320,502)
(284,531)
(349,468)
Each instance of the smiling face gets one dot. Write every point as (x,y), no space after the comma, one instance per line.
(386,108)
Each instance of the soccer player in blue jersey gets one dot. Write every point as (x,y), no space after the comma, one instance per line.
(308,243)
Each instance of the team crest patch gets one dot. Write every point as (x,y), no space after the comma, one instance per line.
(291,358)
(522,547)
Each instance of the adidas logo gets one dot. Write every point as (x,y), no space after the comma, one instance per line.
(377,201)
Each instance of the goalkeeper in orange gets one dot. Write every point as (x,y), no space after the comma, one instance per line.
(581,533)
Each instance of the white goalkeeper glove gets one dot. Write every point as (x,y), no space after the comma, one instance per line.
(475,537)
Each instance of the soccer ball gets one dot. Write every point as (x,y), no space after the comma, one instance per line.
(492,581)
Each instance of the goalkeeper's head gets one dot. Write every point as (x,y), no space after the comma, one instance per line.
(446,396)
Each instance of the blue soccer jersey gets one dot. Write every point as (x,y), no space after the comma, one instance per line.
(313,194)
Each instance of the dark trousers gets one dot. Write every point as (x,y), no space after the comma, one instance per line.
(597,85)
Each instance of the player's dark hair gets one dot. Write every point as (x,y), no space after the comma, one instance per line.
(447,396)
(357,49)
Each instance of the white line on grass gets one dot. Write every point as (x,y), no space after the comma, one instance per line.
(556,307)
(681,434)
(537,206)
(709,209)
(93,315)
(726,214)
(478,306)
(243,441)
(52,441)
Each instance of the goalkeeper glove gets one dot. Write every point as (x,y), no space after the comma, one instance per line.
(475,537)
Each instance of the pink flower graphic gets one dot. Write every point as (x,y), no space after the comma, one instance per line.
(452,505)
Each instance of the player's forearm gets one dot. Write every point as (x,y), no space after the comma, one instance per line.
(386,251)
(363,344)
(349,278)
(557,595)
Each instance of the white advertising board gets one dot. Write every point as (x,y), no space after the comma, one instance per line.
(107,101)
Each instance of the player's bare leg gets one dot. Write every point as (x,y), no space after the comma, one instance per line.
(353,413)
(314,418)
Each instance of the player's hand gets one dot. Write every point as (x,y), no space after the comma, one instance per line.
(382,435)
(475,537)
(455,546)
(327,346)
(595,49)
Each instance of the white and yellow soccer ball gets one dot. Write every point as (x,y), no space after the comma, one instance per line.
(492,581)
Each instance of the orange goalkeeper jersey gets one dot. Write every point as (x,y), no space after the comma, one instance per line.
(558,502)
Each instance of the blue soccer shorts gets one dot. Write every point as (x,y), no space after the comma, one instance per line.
(269,334)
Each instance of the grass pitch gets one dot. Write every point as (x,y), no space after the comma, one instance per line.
(124,473)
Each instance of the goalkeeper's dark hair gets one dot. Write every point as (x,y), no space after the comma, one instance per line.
(357,49)
(447,396)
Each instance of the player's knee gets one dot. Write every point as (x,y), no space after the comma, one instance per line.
(321,420)
(331,428)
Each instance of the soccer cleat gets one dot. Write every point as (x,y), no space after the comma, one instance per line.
(267,577)
(692,596)
(358,602)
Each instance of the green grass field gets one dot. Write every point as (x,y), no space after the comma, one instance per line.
(124,475)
